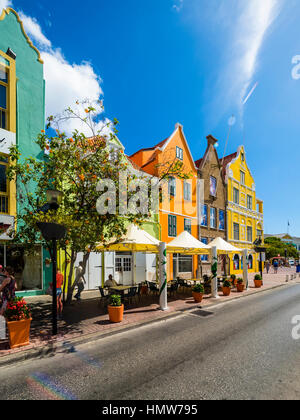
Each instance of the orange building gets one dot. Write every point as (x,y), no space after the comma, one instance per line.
(178,206)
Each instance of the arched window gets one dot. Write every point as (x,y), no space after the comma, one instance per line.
(250,262)
(236,262)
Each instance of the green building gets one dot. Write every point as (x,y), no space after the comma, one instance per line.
(22,117)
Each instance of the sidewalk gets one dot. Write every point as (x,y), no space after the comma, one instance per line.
(86,320)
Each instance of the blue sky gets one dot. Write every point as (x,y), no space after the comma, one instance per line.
(159,62)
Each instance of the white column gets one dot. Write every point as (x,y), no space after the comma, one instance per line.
(245,268)
(163,289)
(214,271)
(134,268)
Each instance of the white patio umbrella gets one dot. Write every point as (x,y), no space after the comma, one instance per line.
(223,247)
(185,243)
(135,240)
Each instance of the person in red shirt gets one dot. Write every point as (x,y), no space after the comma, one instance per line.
(59,285)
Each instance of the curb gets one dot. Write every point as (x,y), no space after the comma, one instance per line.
(54,347)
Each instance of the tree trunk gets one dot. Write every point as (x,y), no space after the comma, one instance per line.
(72,285)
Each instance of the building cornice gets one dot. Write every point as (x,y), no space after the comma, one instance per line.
(9,10)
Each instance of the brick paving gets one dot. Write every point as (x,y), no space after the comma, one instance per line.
(87,317)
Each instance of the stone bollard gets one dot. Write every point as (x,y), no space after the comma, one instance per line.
(287,278)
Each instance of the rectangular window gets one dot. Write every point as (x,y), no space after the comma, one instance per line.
(242,177)
(3,97)
(204,218)
(221,219)
(3,186)
(249,202)
(172,226)
(236,196)
(213,218)
(236,231)
(172,187)
(259,233)
(204,257)
(188,225)
(179,153)
(213,186)
(249,234)
(185,263)
(187,191)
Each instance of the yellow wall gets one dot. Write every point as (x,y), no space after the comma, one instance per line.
(240,214)
(12,121)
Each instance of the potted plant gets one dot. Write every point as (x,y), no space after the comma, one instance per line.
(198,292)
(258,281)
(115,309)
(233,279)
(240,285)
(18,318)
(226,288)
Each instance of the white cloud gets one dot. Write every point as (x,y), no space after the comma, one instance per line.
(4,4)
(66,82)
(33,29)
(177,5)
(251,27)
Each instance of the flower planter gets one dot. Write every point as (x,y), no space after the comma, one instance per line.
(198,297)
(258,284)
(19,332)
(226,291)
(240,287)
(116,313)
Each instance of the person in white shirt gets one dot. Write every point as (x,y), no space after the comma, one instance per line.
(80,280)
(110,282)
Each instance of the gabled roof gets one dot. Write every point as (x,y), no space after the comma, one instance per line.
(226,160)
(162,146)
(158,146)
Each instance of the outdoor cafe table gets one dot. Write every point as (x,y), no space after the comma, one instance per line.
(121,289)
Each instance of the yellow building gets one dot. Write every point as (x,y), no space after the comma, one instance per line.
(244,210)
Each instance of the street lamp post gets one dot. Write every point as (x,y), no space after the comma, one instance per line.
(53,232)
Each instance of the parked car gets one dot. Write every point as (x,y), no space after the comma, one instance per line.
(291,262)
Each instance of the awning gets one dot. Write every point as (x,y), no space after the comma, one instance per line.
(185,243)
(223,247)
(135,240)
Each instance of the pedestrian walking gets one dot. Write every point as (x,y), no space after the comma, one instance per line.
(80,280)
(268,265)
(59,286)
(275,265)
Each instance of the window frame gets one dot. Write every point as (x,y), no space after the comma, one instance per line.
(213,210)
(238,196)
(4,196)
(187,191)
(188,225)
(172,192)
(242,178)
(179,153)
(202,214)
(249,200)
(234,231)
(172,226)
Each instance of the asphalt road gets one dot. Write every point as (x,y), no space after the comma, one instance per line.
(244,350)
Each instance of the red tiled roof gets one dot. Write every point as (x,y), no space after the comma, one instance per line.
(226,160)
(161,144)
(198,163)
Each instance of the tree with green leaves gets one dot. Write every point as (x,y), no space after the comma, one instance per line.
(275,247)
(75,165)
